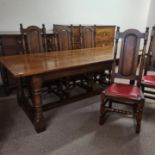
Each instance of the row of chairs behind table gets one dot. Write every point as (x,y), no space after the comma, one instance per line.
(34,40)
(63,40)
(136,72)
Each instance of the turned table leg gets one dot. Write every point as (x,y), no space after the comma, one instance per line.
(20,92)
(38,120)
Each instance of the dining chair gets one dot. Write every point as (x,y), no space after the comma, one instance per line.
(148,80)
(64,36)
(87,36)
(129,68)
(33,39)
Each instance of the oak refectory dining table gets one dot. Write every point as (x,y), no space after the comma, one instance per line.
(51,65)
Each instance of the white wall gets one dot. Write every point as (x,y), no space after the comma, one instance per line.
(124,13)
(151,14)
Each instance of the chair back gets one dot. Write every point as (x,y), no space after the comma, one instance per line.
(150,60)
(87,36)
(129,53)
(33,39)
(64,36)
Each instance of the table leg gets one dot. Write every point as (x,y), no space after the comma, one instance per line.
(38,120)
(20,92)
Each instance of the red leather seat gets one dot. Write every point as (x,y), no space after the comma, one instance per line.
(124,90)
(149,80)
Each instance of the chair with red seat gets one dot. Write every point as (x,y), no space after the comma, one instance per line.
(148,80)
(129,68)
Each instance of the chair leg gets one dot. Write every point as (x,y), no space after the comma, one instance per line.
(110,104)
(138,115)
(142,87)
(102,110)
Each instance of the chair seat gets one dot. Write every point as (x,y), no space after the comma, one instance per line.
(149,80)
(124,90)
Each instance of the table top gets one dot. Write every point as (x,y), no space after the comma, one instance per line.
(39,63)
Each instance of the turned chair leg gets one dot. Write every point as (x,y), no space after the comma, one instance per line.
(102,110)
(138,115)
(142,87)
(110,104)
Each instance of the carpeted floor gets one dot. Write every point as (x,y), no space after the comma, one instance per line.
(74,130)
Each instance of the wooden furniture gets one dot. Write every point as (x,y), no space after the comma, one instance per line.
(64,37)
(87,36)
(33,39)
(74,36)
(84,36)
(52,65)
(11,44)
(52,42)
(148,80)
(104,35)
(126,93)
(11,41)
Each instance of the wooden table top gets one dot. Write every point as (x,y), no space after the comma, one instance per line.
(39,63)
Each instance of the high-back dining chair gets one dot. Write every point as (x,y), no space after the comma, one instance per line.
(148,80)
(127,69)
(33,39)
(87,36)
(64,36)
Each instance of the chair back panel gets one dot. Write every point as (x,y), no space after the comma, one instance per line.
(75,36)
(129,54)
(64,37)
(87,36)
(151,52)
(34,39)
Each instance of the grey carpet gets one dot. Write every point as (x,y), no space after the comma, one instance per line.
(74,130)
